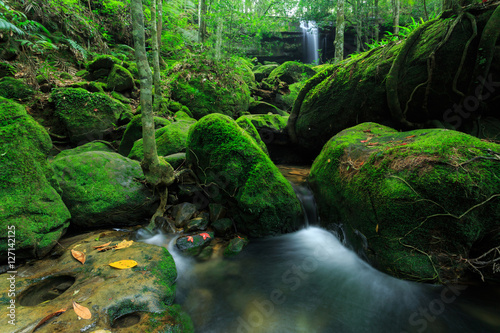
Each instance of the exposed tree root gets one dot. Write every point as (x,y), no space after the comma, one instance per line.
(392,80)
(464,54)
(485,53)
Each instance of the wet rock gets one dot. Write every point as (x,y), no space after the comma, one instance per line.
(196,224)
(103,189)
(136,298)
(235,246)
(182,213)
(222,226)
(120,79)
(134,132)
(194,244)
(15,89)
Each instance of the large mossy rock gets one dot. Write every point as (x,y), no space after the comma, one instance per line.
(120,79)
(392,84)
(133,132)
(423,200)
(271,127)
(103,189)
(290,72)
(85,115)
(139,299)
(28,198)
(170,139)
(262,202)
(205,87)
(15,89)
(262,71)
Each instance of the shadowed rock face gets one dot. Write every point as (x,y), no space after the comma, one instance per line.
(117,298)
(418,200)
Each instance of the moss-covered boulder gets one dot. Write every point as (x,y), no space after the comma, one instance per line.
(138,299)
(170,139)
(85,115)
(428,80)
(261,201)
(133,132)
(423,202)
(205,87)
(103,62)
(290,72)
(29,203)
(91,146)
(271,127)
(120,79)
(260,107)
(262,71)
(103,189)
(15,89)
(246,124)
(90,86)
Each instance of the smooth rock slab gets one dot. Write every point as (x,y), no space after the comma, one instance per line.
(142,294)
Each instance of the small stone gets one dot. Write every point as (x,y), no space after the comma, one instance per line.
(193,244)
(235,246)
(199,223)
(182,213)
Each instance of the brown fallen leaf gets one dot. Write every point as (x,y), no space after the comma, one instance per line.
(81,311)
(124,244)
(123,264)
(44,320)
(100,246)
(102,249)
(78,255)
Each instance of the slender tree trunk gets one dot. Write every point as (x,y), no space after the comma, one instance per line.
(218,42)
(159,26)
(376,27)
(156,57)
(202,25)
(339,32)
(426,13)
(396,6)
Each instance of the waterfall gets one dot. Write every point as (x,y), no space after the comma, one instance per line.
(310,42)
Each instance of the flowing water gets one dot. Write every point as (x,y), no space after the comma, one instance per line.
(308,281)
(310,42)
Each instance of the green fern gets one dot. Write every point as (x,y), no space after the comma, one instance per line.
(7,26)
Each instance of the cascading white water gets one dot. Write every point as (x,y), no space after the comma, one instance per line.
(308,281)
(310,42)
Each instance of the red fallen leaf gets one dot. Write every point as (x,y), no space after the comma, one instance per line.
(100,246)
(95,110)
(367,131)
(403,144)
(363,141)
(190,239)
(81,311)
(361,163)
(205,235)
(373,144)
(411,136)
(44,320)
(78,255)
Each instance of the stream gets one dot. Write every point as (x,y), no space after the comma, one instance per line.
(309,281)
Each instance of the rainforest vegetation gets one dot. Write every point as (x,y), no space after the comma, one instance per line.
(223,129)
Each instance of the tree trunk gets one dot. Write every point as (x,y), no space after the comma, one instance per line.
(339,32)
(156,57)
(396,5)
(218,42)
(376,28)
(159,26)
(156,171)
(202,25)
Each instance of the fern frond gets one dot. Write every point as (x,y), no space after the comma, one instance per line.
(7,26)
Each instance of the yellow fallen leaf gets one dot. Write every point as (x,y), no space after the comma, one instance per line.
(78,255)
(81,311)
(123,244)
(122,264)
(376,229)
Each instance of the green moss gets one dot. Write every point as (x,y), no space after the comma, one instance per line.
(207,87)
(86,115)
(290,72)
(170,139)
(15,89)
(133,132)
(81,73)
(103,61)
(28,199)
(261,199)
(65,76)
(91,146)
(249,127)
(90,86)
(120,79)
(404,192)
(262,71)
